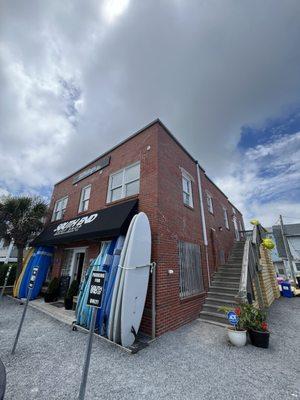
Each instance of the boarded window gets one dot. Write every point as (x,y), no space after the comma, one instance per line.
(191,278)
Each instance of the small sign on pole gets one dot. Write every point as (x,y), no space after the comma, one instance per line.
(30,288)
(94,300)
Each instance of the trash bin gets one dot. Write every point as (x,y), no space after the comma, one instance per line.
(286,289)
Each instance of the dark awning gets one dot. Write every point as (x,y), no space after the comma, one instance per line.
(99,224)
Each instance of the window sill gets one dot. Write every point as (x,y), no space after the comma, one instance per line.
(112,203)
(194,297)
(189,207)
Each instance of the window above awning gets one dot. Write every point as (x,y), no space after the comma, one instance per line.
(101,224)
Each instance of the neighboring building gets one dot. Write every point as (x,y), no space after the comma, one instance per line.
(8,252)
(193,223)
(279,256)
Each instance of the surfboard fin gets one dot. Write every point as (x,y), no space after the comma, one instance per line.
(134,332)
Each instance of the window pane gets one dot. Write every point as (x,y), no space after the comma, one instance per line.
(116,180)
(132,173)
(85,205)
(86,193)
(132,188)
(186,198)
(185,185)
(116,194)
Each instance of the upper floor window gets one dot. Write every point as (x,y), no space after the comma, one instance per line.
(209,203)
(59,208)
(85,198)
(225,218)
(187,190)
(124,183)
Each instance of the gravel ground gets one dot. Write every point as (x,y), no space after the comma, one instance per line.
(194,362)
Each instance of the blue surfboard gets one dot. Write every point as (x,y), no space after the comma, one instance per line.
(106,305)
(42,258)
(83,311)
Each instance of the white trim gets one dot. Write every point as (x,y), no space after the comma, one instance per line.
(210,206)
(187,174)
(76,251)
(187,177)
(80,208)
(55,208)
(225,217)
(203,221)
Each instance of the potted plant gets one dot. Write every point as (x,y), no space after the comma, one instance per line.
(72,291)
(258,329)
(51,294)
(237,334)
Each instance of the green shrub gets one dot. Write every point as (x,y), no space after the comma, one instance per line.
(53,286)
(73,290)
(12,276)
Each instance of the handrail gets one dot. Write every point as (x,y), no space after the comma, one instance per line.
(250,267)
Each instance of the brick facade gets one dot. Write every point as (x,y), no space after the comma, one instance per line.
(162,160)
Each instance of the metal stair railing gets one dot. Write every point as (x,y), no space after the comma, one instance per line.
(250,268)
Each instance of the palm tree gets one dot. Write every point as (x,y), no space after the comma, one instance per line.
(21,219)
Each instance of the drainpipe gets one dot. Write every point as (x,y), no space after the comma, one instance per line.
(203,220)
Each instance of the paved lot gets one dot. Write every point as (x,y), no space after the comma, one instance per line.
(195,362)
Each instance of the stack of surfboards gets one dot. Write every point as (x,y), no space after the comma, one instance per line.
(40,257)
(126,262)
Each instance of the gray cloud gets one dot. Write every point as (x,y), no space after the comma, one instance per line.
(73,83)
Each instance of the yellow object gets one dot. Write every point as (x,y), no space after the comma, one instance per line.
(254,222)
(268,244)
(19,280)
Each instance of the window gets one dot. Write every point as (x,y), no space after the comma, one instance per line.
(209,203)
(297,266)
(124,183)
(85,198)
(191,279)
(225,218)
(187,190)
(60,208)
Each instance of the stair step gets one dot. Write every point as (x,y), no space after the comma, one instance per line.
(226,278)
(213,316)
(227,275)
(220,301)
(222,295)
(215,307)
(234,270)
(224,289)
(227,284)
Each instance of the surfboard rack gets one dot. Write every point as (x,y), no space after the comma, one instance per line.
(140,266)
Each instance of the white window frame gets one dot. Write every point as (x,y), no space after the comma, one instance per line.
(83,201)
(225,217)
(186,177)
(63,210)
(209,201)
(124,183)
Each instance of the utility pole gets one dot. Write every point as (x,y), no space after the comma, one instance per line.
(287,250)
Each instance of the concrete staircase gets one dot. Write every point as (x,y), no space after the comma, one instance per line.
(224,287)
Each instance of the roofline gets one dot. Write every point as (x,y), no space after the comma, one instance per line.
(155,121)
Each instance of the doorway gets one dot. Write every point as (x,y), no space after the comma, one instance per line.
(77,264)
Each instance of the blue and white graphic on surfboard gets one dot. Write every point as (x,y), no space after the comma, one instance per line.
(136,269)
(115,312)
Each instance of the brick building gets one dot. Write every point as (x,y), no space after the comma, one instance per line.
(193,223)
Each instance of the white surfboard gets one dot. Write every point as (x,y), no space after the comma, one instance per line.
(110,329)
(136,278)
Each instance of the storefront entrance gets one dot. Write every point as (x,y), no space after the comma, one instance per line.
(72,267)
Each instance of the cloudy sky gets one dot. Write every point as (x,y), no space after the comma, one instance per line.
(79,76)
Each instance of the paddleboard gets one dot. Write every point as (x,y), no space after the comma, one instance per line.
(19,280)
(111,330)
(42,259)
(136,279)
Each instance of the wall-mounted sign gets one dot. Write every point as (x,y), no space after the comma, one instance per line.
(96,289)
(104,162)
(74,225)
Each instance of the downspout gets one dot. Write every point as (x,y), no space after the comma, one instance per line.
(203,221)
